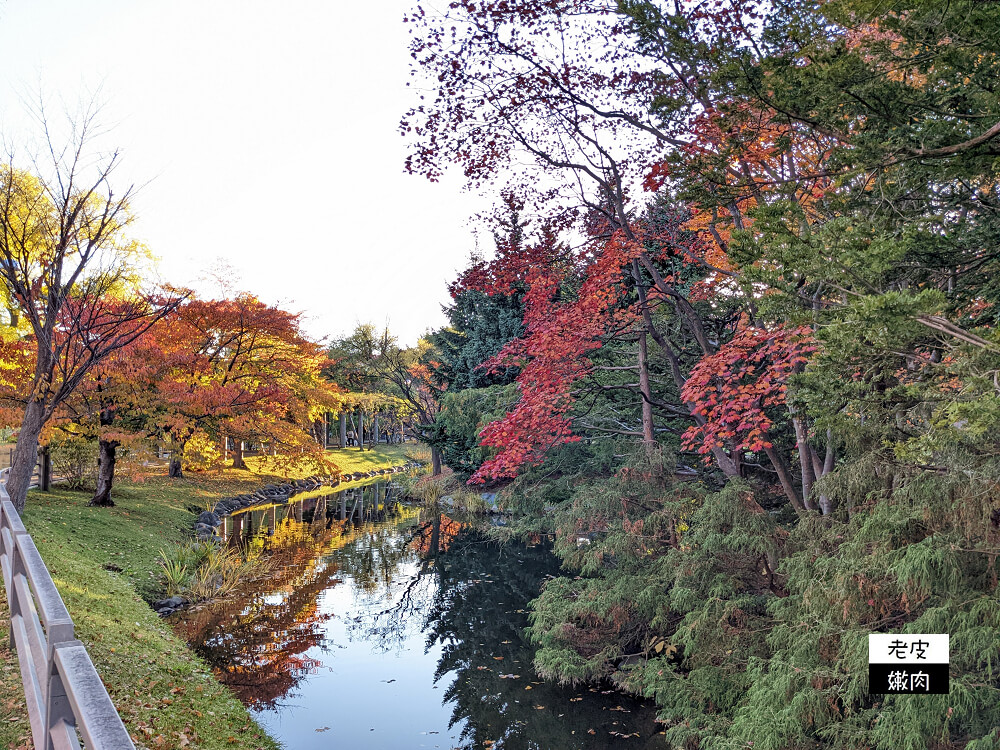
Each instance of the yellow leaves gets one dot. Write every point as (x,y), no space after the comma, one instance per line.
(661,647)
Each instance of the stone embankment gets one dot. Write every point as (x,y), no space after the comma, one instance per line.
(210,520)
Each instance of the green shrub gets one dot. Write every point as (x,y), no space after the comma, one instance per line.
(74,459)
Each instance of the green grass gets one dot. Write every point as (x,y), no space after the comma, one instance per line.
(351,460)
(165,694)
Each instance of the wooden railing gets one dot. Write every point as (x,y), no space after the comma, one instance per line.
(66,699)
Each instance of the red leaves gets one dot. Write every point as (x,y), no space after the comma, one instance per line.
(732,388)
(552,354)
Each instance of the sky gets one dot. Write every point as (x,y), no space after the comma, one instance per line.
(264,140)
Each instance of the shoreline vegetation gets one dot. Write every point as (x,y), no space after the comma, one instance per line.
(105,563)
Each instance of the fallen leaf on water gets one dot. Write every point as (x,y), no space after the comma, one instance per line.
(323,729)
(527,687)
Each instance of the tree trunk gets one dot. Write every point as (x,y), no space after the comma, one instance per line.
(107,451)
(25,454)
(361,431)
(435,461)
(238,462)
(45,472)
(648,435)
(343,430)
(805,460)
(174,470)
(375,431)
(785,476)
(731,466)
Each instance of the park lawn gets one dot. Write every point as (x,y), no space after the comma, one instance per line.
(166,695)
(351,460)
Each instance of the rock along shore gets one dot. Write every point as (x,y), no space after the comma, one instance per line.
(210,520)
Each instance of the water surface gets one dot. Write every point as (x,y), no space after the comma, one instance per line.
(390,626)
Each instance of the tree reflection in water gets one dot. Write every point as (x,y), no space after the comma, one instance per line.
(410,571)
(475,606)
(391,613)
(479,616)
(256,639)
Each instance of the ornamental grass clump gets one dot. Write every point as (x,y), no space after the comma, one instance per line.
(199,571)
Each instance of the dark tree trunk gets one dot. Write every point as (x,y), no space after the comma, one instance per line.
(45,472)
(174,470)
(25,454)
(361,431)
(435,536)
(343,430)
(107,454)
(435,461)
(238,462)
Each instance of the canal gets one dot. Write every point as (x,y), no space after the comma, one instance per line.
(387,625)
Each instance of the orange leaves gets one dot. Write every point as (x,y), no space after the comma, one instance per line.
(239,364)
(731,389)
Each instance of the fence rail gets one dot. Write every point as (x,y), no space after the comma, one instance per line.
(65,696)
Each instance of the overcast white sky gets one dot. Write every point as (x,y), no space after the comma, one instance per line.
(267,134)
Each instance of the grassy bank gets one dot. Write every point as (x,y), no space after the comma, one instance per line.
(104,562)
(351,460)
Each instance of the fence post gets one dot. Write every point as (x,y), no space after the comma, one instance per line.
(58,709)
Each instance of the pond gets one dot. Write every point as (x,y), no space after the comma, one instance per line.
(385,625)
